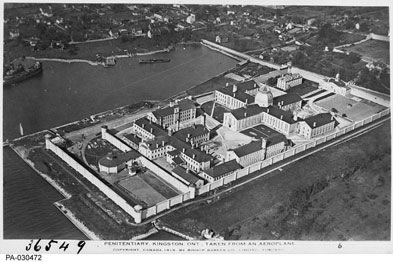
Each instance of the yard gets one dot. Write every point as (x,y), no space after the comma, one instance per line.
(354,109)
(355,202)
(98,148)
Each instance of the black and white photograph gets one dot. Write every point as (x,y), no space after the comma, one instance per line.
(196,127)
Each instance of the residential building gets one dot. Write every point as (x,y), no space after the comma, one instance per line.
(258,150)
(244,117)
(232,98)
(289,80)
(316,125)
(288,102)
(220,171)
(187,177)
(174,114)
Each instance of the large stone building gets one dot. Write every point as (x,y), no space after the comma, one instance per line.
(232,98)
(257,150)
(335,85)
(316,125)
(194,135)
(220,171)
(114,163)
(244,117)
(146,129)
(289,80)
(288,102)
(187,177)
(280,120)
(174,114)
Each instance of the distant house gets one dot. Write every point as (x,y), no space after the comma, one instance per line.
(190,19)
(335,85)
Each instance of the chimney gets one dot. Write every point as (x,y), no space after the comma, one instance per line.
(332,118)
(226,84)
(314,124)
(255,85)
(295,117)
(245,114)
(187,170)
(234,88)
(143,125)
(188,135)
(150,120)
(234,94)
(157,145)
(264,143)
(281,117)
(246,101)
(184,150)
(151,130)
(193,156)
(163,143)
(267,111)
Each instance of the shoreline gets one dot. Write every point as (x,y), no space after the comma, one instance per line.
(78,224)
(76,60)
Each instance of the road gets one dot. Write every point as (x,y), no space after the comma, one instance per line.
(279,166)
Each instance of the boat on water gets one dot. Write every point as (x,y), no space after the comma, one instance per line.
(19,73)
(153,60)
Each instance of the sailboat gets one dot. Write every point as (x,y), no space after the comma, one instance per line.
(21,129)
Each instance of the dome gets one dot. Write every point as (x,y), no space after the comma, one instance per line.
(264,97)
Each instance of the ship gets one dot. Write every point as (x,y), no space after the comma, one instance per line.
(19,73)
(153,60)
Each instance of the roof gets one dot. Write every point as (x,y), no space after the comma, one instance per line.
(133,138)
(289,77)
(174,152)
(319,120)
(194,153)
(157,143)
(338,83)
(281,114)
(186,104)
(225,168)
(260,131)
(150,127)
(254,146)
(245,98)
(184,175)
(248,85)
(192,131)
(248,111)
(177,160)
(287,99)
(114,160)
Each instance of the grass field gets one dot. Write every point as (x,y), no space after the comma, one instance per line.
(159,185)
(355,207)
(138,188)
(373,50)
(353,109)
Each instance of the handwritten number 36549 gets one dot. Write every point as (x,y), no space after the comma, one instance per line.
(64,246)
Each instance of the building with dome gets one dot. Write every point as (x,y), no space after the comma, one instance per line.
(264,98)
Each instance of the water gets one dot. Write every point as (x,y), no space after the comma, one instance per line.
(69,92)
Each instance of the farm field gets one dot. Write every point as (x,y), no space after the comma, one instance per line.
(373,50)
